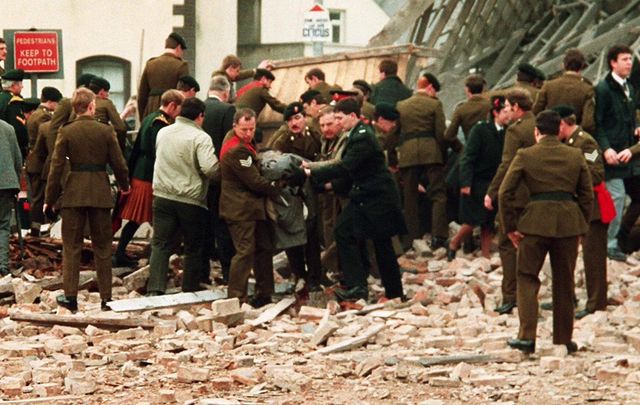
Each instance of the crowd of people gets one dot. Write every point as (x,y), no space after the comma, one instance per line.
(343,187)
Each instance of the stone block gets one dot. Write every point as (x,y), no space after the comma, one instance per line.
(288,379)
(489,380)
(189,373)
(225,307)
(311,313)
(550,363)
(247,375)
(138,279)
(47,390)
(78,385)
(25,292)
(186,320)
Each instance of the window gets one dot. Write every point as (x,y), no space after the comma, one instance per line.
(337,24)
(116,70)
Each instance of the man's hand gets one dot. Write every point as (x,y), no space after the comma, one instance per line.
(465,190)
(50,212)
(637,132)
(515,238)
(421,189)
(305,164)
(625,156)
(328,186)
(611,157)
(125,192)
(488,202)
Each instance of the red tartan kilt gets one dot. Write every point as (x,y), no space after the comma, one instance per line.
(138,207)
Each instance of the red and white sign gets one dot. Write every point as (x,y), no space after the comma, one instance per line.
(317,25)
(36,51)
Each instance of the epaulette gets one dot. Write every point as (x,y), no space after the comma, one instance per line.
(580,133)
(16,99)
(584,79)
(162,118)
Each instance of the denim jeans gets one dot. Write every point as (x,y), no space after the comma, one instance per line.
(618,194)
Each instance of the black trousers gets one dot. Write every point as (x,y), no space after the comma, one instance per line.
(218,243)
(350,255)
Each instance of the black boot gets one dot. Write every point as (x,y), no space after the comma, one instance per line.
(71,303)
(438,242)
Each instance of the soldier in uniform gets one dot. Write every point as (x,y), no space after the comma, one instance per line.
(468,113)
(138,207)
(49,98)
(12,107)
(256,96)
(387,125)
(571,89)
(420,155)
(556,215)
(313,102)
(479,163)
(594,243)
(315,78)
(188,85)
(89,146)
(519,135)
(64,112)
(3,54)
(390,88)
(242,206)
(373,212)
(368,109)
(106,111)
(161,74)
(232,69)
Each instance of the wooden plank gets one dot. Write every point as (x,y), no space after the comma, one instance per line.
(45,400)
(463,358)
(505,57)
(353,342)
(166,301)
(398,24)
(443,18)
(587,19)
(447,47)
(81,321)
(616,18)
(271,313)
(556,37)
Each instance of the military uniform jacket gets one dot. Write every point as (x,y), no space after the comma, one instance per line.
(467,114)
(107,114)
(143,154)
(256,98)
(580,139)
(422,124)
(303,144)
(615,122)
(548,167)
(160,74)
(482,154)
(35,159)
(325,89)
(243,188)
(88,145)
(389,90)
(571,89)
(519,135)
(374,196)
(11,111)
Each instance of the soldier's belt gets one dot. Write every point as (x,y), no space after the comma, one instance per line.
(553,196)
(88,167)
(413,135)
(157,92)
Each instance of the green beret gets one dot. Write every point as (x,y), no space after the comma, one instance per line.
(84,80)
(100,83)
(386,111)
(528,69)
(190,82)
(293,109)
(178,38)
(50,94)
(309,95)
(362,85)
(30,104)
(564,110)
(433,80)
(16,75)
(540,74)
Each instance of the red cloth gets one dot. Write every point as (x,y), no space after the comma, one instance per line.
(607,208)
(138,206)
(247,87)
(232,143)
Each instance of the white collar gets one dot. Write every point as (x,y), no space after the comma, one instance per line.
(498,127)
(618,79)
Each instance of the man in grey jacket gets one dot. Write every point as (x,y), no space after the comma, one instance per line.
(10,164)
(185,161)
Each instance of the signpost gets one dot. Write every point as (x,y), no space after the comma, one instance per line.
(36,51)
(317,27)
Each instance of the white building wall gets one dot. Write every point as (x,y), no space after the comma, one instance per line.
(282,20)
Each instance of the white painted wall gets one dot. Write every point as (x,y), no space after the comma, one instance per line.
(282,19)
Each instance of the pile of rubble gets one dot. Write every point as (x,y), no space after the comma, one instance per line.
(445,345)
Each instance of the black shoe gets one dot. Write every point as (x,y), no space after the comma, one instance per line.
(153,293)
(104,306)
(259,302)
(505,308)
(123,261)
(451,254)
(582,313)
(437,242)
(71,303)
(526,346)
(351,294)
(572,347)
(35,232)
(547,306)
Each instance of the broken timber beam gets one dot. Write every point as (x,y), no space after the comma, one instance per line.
(464,358)
(271,313)
(81,321)
(353,342)
(164,301)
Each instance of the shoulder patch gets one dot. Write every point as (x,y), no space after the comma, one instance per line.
(246,162)
(162,118)
(591,157)
(16,99)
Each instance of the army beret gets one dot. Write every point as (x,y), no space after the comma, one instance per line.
(531,71)
(178,38)
(386,111)
(293,109)
(190,82)
(540,74)
(16,75)
(30,104)
(564,110)
(50,94)
(362,85)
(433,80)
(100,83)
(309,95)
(84,79)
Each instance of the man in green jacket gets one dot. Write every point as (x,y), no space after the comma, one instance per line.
(390,88)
